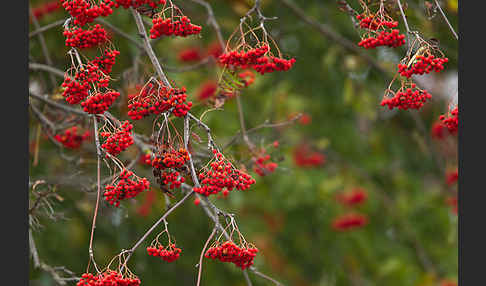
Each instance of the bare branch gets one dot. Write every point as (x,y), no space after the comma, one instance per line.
(148,47)
(46,27)
(328,32)
(52,70)
(98,178)
(120,32)
(42,42)
(446,20)
(212,21)
(202,255)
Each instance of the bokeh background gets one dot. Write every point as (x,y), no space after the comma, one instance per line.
(394,156)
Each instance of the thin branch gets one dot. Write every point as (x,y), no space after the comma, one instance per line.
(148,48)
(120,32)
(42,118)
(242,124)
(446,20)
(42,41)
(202,255)
(192,67)
(403,16)
(161,219)
(261,126)
(63,107)
(206,128)
(212,21)
(46,27)
(52,70)
(328,32)
(253,269)
(405,22)
(98,176)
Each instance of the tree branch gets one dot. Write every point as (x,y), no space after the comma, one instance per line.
(328,32)
(446,20)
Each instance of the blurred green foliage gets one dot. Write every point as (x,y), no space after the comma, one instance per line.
(411,238)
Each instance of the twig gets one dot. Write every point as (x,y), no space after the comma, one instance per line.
(52,70)
(405,22)
(46,27)
(98,176)
(42,118)
(60,106)
(192,67)
(242,124)
(328,32)
(202,255)
(261,126)
(253,269)
(148,48)
(42,41)
(212,21)
(161,219)
(206,128)
(120,32)
(446,20)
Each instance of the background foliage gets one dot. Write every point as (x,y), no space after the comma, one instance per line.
(411,238)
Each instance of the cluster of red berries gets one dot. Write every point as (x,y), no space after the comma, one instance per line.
(370,23)
(264,166)
(83,11)
(109,277)
(168,27)
(146,159)
(352,198)
(177,101)
(106,61)
(243,59)
(214,50)
(452,177)
(169,254)
(171,159)
(270,64)
(100,102)
(189,55)
(438,130)
(46,8)
(207,90)
(422,65)
(168,167)
(71,139)
(138,3)
(391,39)
(349,221)
(77,89)
(156,101)
(171,179)
(305,157)
(222,175)
(452,121)
(125,188)
(119,140)
(255,58)
(83,39)
(230,252)
(409,98)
